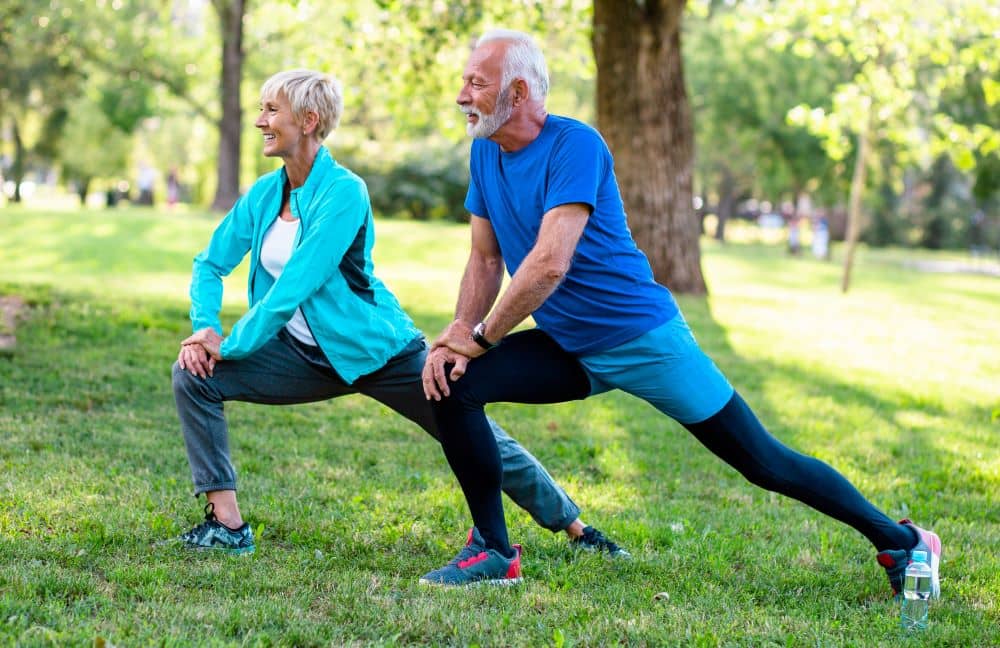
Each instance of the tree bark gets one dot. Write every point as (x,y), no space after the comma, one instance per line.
(643,112)
(854,204)
(727,203)
(230,14)
(18,166)
(83,190)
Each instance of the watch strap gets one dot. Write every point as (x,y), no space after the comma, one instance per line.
(479,338)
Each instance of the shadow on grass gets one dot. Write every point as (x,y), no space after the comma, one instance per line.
(891,442)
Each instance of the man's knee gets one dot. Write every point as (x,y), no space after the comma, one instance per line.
(463,392)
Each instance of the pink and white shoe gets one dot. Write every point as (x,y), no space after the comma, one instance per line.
(894,561)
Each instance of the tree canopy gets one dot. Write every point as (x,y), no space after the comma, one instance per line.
(785,95)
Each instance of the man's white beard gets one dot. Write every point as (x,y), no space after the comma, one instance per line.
(486,125)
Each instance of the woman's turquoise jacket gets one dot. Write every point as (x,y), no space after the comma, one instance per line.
(354,318)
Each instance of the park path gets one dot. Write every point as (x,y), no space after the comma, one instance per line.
(975,266)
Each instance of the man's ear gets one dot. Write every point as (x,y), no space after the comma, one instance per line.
(520,91)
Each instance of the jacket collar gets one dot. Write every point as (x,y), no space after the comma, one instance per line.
(303,196)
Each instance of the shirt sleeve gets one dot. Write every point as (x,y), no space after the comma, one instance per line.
(475,203)
(339,215)
(228,246)
(578,163)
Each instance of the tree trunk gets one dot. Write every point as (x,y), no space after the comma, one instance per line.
(727,203)
(18,165)
(854,205)
(230,124)
(83,190)
(643,112)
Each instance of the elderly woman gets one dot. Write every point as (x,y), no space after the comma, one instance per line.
(320,324)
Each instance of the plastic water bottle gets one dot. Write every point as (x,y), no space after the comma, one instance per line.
(916,592)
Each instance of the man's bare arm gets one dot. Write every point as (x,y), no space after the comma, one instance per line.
(479,287)
(542,270)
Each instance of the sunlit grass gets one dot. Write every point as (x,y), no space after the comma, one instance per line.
(894,384)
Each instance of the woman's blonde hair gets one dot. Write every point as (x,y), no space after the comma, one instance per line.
(308,90)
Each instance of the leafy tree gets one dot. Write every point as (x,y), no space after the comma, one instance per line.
(37,76)
(230,14)
(905,55)
(92,146)
(741,92)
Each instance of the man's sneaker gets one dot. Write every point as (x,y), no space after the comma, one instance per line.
(895,560)
(212,534)
(483,567)
(595,541)
(474,545)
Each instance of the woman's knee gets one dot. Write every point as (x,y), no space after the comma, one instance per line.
(184,382)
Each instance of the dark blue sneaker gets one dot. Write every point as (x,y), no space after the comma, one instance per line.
(476,565)
(474,545)
(212,534)
(894,561)
(595,541)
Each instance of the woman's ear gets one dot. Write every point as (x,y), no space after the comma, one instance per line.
(310,122)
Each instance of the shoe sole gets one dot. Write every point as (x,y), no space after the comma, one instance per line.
(492,582)
(241,551)
(621,554)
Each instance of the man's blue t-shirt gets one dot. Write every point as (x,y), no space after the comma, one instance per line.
(608,296)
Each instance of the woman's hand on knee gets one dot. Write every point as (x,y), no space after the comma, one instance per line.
(195,359)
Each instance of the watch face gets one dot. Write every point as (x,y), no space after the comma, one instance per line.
(480,339)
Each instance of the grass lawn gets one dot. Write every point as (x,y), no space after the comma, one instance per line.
(894,384)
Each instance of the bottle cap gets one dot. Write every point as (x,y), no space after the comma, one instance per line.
(919,556)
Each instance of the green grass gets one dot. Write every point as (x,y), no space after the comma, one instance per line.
(895,384)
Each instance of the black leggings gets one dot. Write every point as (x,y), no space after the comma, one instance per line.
(529,367)
(737,437)
(526,367)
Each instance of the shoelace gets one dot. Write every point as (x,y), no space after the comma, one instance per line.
(595,537)
(209,519)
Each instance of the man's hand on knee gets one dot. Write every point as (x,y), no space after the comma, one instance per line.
(442,363)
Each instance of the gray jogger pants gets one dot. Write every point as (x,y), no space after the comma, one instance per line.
(284,371)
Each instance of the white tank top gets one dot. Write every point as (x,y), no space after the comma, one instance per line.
(274,254)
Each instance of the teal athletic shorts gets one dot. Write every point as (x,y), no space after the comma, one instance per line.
(666,368)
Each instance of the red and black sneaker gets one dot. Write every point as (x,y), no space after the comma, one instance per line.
(487,567)
(894,561)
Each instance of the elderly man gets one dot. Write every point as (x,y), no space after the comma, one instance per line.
(544,200)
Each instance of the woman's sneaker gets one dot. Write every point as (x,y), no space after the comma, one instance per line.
(894,561)
(212,534)
(483,567)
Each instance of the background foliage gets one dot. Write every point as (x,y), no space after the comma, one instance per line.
(92,91)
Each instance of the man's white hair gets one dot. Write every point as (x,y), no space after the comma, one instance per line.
(522,60)
(308,90)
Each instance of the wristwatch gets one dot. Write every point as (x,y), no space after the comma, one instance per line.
(479,338)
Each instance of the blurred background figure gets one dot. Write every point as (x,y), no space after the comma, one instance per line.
(821,239)
(145,182)
(173,188)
